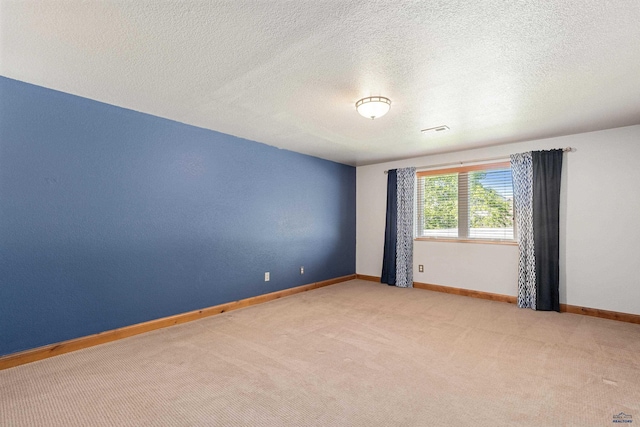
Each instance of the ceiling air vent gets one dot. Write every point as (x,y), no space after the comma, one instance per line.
(442,128)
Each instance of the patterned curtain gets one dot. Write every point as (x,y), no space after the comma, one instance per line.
(404,243)
(397,264)
(536,191)
(522,171)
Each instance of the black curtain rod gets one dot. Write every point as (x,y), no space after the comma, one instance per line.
(566,149)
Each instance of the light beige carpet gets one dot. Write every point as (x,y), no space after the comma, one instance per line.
(352,354)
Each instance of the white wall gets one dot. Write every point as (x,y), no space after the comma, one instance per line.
(599,222)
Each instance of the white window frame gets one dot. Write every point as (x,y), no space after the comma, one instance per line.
(463,208)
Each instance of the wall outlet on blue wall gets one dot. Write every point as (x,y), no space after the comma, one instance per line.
(266,276)
(301,270)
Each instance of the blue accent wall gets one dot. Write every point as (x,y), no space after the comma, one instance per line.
(110,217)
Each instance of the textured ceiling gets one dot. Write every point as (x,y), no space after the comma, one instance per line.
(288,73)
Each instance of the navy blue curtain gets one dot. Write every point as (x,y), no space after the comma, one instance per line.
(390,231)
(547,169)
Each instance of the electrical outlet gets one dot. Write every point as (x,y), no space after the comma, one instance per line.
(301,270)
(266,276)
(421,268)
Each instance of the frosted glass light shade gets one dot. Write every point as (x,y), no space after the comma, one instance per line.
(372,107)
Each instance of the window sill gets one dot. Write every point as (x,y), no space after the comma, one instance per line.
(481,241)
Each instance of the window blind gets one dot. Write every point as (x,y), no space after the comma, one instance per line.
(472,202)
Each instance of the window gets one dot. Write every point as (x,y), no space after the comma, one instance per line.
(466,203)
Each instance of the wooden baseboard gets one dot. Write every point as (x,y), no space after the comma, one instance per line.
(603,314)
(466,292)
(369,278)
(51,350)
(564,308)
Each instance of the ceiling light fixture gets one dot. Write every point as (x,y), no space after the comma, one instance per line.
(372,107)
